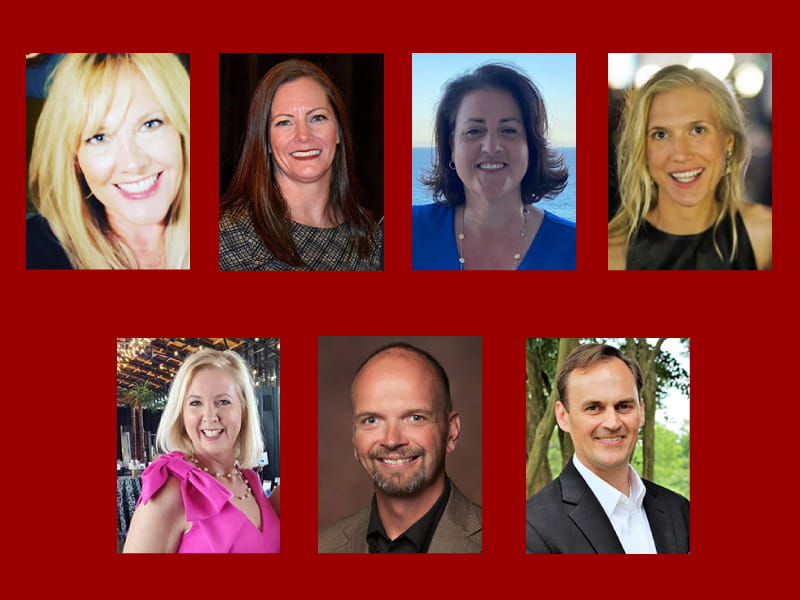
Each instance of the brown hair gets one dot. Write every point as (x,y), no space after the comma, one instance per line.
(254,184)
(586,356)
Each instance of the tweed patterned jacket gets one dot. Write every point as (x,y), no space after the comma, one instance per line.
(240,248)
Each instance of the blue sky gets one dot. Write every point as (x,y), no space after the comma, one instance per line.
(554,74)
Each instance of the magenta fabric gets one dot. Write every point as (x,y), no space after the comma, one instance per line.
(218,526)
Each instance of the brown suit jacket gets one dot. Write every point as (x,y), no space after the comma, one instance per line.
(458,531)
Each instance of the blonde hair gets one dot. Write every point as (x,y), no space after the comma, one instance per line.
(638,192)
(172,436)
(81,89)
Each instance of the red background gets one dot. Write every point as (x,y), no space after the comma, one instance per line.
(61,327)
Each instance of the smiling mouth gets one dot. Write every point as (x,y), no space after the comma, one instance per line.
(212,433)
(139,187)
(610,440)
(493,166)
(398,462)
(306,153)
(686,176)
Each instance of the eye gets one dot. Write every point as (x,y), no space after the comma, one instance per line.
(509,131)
(318,118)
(153,124)
(97,138)
(473,131)
(282,123)
(369,421)
(658,134)
(417,418)
(223,401)
(699,129)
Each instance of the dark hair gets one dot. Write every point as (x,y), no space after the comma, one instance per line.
(546,175)
(254,184)
(588,355)
(436,367)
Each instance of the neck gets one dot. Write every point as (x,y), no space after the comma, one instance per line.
(308,202)
(502,212)
(671,217)
(222,463)
(398,513)
(145,241)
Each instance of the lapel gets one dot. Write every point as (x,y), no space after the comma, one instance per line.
(587,514)
(461,520)
(356,533)
(660,523)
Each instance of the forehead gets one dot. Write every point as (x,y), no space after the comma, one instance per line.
(610,380)
(304,92)
(212,381)
(395,381)
(683,104)
(116,94)
(488,104)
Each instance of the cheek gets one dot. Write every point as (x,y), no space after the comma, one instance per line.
(96,168)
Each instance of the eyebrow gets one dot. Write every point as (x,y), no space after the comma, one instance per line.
(505,120)
(308,112)
(691,123)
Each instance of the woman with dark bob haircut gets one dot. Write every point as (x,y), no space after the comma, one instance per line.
(294,202)
(492,163)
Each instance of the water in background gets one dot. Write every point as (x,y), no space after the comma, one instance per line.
(563,205)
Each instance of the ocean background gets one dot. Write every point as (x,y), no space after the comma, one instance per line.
(563,205)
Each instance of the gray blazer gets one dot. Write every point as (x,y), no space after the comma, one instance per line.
(458,531)
(565,517)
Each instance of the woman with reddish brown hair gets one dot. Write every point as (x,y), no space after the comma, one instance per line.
(294,202)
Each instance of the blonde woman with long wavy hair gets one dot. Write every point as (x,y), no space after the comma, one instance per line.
(109,170)
(682,155)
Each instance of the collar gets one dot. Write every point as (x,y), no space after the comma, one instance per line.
(417,538)
(607,495)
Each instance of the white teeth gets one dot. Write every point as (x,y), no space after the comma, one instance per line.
(491,165)
(212,432)
(614,439)
(396,461)
(686,176)
(307,153)
(139,186)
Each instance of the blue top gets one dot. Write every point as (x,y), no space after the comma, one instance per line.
(435,248)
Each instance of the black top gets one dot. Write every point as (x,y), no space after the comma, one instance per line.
(44,251)
(654,249)
(415,539)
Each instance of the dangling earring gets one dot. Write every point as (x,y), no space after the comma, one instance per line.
(452,165)
(728,156)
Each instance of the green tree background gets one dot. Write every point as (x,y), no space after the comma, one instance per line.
(668,449)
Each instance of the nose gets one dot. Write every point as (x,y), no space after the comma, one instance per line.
(394,435)
(681,148)
(132,156)
(210,413)
(611,419)
(491,142)
(302,131)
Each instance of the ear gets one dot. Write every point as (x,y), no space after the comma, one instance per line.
(453,431)
(562,416)
(729,144)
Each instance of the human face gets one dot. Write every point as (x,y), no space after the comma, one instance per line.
(303,132)
(686,146)
(132,162)
(212,413)
(400,432)
(604,417)
(490,149)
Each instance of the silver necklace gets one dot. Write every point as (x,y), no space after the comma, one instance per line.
(517,255)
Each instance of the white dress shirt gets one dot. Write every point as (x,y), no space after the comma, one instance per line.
(626,513)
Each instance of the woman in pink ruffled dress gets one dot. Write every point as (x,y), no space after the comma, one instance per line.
(200,496)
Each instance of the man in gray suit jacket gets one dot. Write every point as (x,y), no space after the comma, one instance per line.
(404,425)
(599,504)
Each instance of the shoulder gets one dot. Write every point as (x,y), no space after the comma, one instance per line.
(158,524)
(43,250)
(554,244)
(342,535)
(757,220)
(431,214)
(559,224)
(665,496)
(617,253)
(240,248)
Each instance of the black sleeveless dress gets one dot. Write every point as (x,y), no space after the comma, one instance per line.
(653,249)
